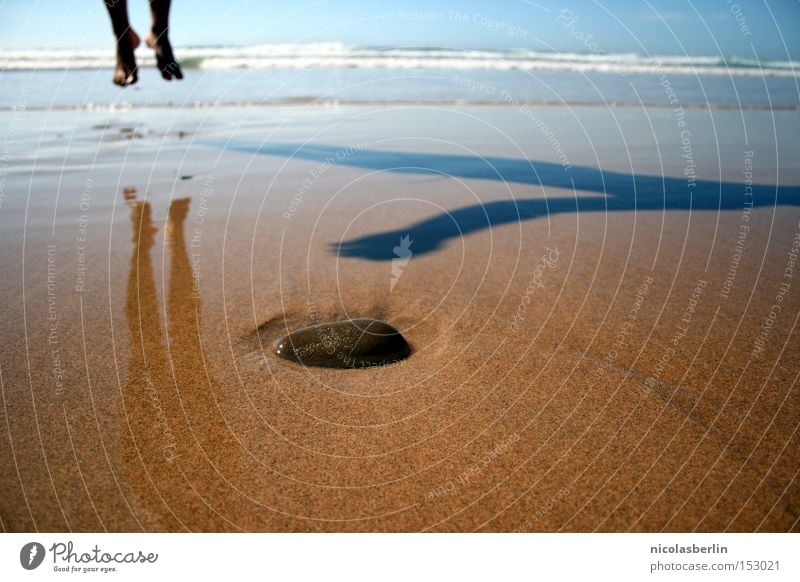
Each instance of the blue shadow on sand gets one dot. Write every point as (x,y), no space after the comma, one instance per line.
(621,192)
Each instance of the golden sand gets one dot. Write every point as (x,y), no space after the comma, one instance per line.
(574,372)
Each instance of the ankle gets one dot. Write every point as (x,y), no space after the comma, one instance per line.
(159,31)
(122,34)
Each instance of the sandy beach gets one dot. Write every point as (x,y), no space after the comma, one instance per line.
(602,305)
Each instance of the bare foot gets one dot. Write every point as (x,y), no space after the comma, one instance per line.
(165,60)
(125,74)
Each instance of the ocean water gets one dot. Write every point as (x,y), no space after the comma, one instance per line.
(341,56)
(333,72)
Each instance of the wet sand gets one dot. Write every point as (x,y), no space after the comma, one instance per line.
(580,362)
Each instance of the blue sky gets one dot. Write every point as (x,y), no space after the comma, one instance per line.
(746,28)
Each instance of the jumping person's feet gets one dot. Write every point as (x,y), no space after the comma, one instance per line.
(125,73)
(165,60)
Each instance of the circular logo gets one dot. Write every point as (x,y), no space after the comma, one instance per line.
(31,555)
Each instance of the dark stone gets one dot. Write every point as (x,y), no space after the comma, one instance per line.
(355,343)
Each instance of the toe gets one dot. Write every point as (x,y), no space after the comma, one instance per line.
(121,77)
(124,77)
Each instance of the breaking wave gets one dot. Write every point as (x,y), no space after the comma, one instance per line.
(342,56)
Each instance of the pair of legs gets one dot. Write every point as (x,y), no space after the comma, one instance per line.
(128,40)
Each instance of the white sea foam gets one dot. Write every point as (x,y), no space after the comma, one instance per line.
(341,56)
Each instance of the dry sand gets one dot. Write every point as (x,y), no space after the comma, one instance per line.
(140,257)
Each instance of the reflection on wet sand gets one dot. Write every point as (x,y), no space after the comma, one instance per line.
(170,413)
